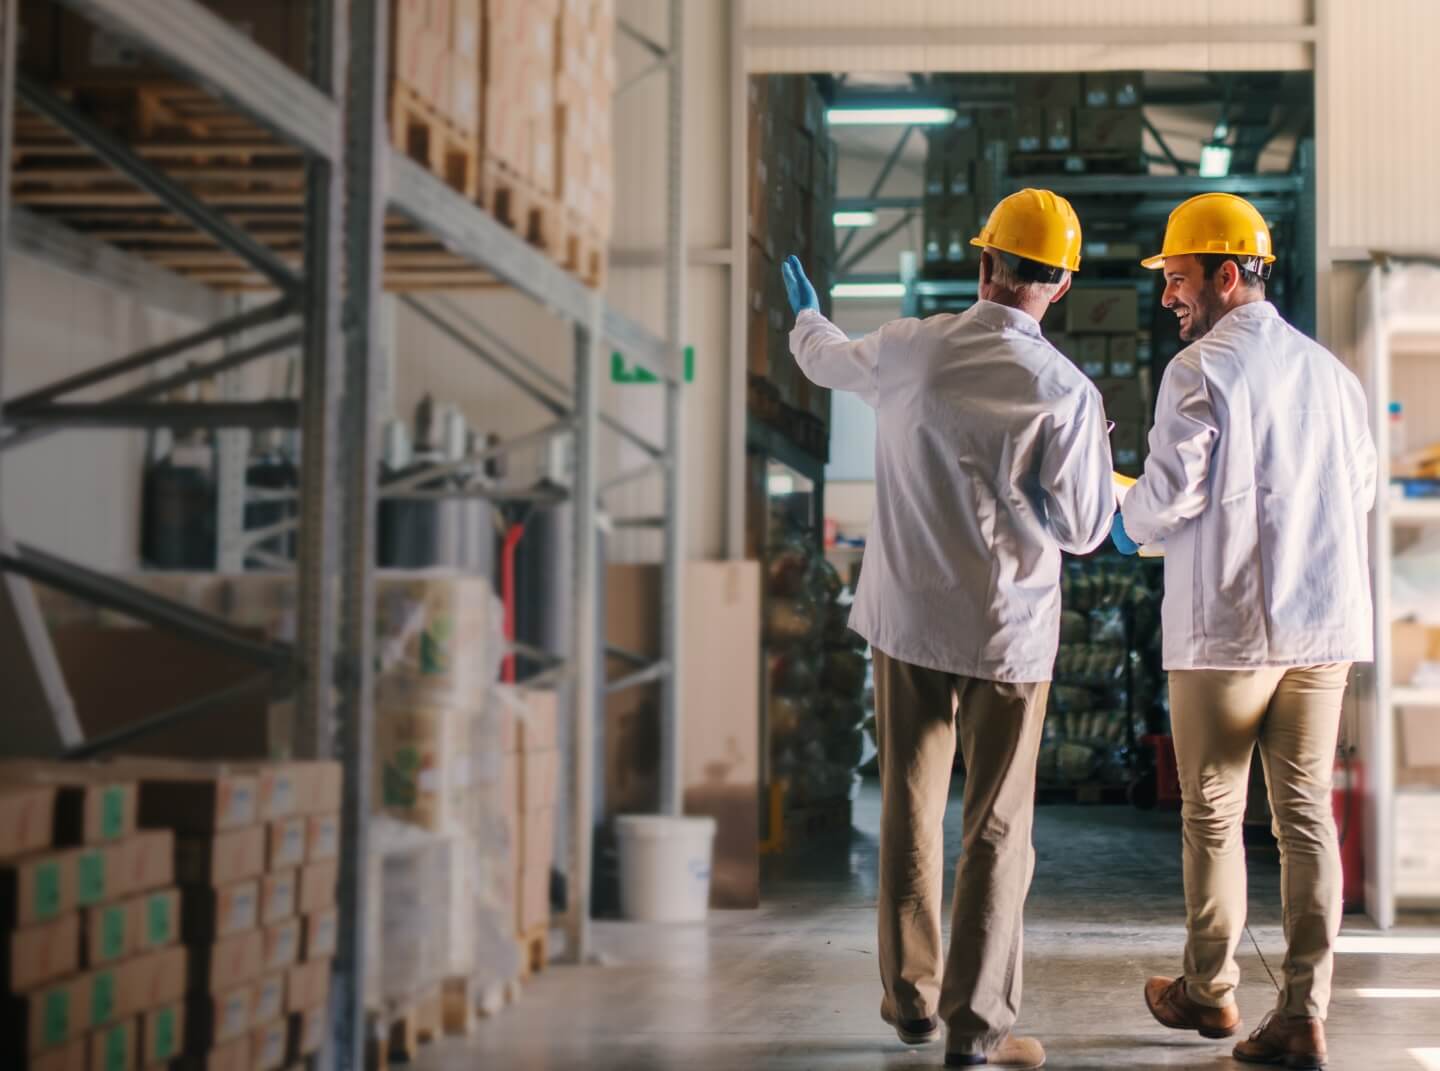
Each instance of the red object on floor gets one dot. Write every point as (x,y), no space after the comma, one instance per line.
(1347,796)
(507,595)
(1167,772)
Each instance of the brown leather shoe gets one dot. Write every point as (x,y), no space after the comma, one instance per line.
(1019,1054)
(1292,1040)
(1172,1006)
(911,1031)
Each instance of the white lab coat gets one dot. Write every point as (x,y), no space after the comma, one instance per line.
(1260,474)
(991,456)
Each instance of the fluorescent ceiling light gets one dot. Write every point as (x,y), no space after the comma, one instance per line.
(868,290)
(779,484)
(854,219)
(1398,994)
(1214,161)
(1355,944)
(890,116)
(1428,1059)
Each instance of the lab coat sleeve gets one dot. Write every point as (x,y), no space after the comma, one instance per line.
(1175,485)
(830,359)
(1075,477)
(1363,462)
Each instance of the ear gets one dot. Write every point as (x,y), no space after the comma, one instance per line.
(1063,288)
(1229,278)
(987,267)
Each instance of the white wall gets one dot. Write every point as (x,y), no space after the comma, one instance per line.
(76,493)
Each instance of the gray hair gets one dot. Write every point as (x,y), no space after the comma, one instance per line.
(1007,278)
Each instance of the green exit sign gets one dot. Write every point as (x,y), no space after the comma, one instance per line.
(622,372)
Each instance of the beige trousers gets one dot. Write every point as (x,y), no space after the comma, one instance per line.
(918,714)
(1218,716)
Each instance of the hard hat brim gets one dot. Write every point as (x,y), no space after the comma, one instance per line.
(1157,262)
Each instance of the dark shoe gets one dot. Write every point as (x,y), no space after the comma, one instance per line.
(1292,1040)
(913,1031)
(1172,1007)
(1018,1054)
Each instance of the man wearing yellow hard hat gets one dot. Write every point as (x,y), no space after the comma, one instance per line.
(1260,473)
(991,457)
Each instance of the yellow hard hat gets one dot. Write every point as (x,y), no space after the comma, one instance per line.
(1215,223)
(1037,225)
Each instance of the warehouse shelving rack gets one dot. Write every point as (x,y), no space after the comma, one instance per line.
(329,310)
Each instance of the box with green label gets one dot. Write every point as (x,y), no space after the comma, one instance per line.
(27,818)
(43,1019)
(38,888)
(142,923)
(162,1035)
(35,955)
(116,1047)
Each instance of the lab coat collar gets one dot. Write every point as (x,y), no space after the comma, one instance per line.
(994,315)
(1255,310)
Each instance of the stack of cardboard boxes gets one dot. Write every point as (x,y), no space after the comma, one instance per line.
(792,206)
(1087,116)
(94,977)
(435,50)
(584,95)
(533,769)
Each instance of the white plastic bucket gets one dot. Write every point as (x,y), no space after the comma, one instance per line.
(665,867)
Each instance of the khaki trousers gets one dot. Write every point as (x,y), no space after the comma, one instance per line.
(1218,716)
(918,714)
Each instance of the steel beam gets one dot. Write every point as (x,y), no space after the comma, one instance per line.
(611,651)
(1180,166)
(150,355)
(112,594)
(879,183)
(261,683)
(481,239)
(656,671)
(672,766)
(875,242)
(657,522)
(639,472)
(931,36)
(641,38)
(205,49)
(105,265)
(365,379)
(583,623)
(178,415)
(144,174)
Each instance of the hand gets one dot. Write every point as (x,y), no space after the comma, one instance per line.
(1121,538)
(797,287)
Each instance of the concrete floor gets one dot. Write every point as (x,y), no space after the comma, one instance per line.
(793,986)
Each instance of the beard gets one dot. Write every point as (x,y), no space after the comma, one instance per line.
(1202,316)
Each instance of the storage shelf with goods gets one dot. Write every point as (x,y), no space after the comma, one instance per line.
(1400,745)
(505,104)
(791,208)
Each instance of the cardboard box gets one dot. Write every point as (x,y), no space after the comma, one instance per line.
(1121,351)
(537,840)
(284,788)
(278,896)
(322,838)
(319,934)
(43,1019)
(1091,354)
(1420,739)
(213,1020)
(267,1046)
(162,1035)
(72,1057)
(27,819)
(209,913)
(1126,446)
(115,1048)
(269,998)
(1029,128)
(232,1056)
(196,797)
(282,945)
(149,862)
(538,728)
(228,963)
(1096,88)
(1048,90)
(1102,310)
(91,805)
(285,843)
(307,986)
(38,888)
(1109,129)
(152,980)
(37,955)
(317,886)
(1124,400)
(305,1033)
(1126,89)
(222,859)
(1411,644)
(422,761)
(118,931)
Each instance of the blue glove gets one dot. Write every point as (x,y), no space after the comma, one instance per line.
(1121,538)
(797,287)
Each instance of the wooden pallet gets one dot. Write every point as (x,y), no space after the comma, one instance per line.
(419,131)
(460,1006)
(579,249)
(417,1022)
(534,952)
